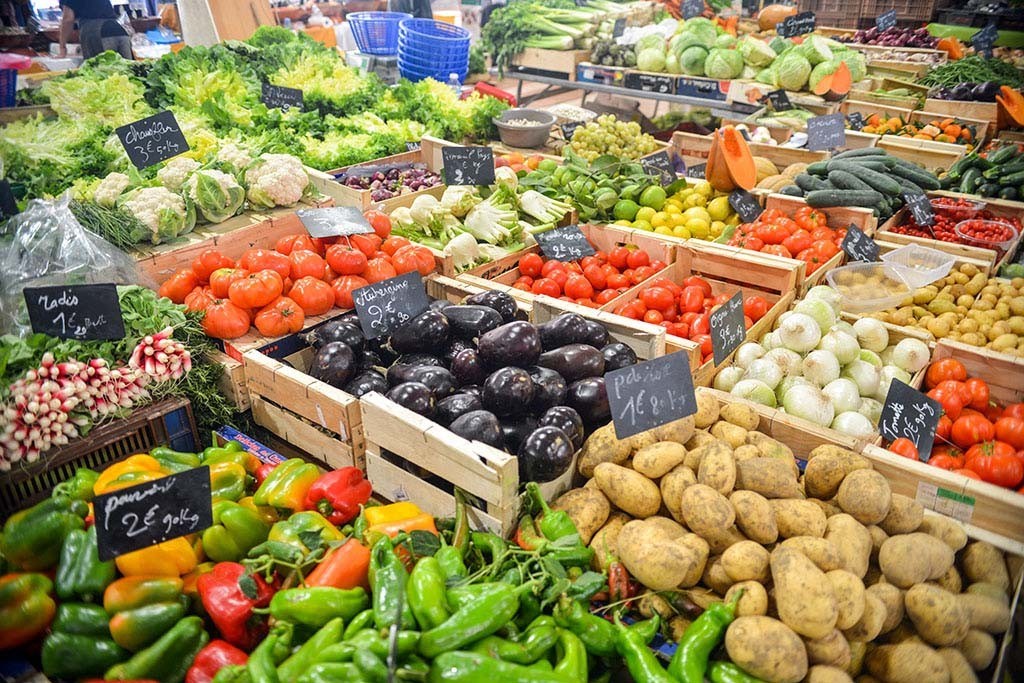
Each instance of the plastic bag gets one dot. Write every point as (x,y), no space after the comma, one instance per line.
(50,247)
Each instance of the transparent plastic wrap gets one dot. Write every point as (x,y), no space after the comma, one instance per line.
(48,246)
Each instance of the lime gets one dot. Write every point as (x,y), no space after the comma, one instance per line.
(625,209)
(653,197)
(547,165)
(645,214)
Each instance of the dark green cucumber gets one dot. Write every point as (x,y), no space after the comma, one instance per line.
(1012,179)
(948,182)
(862,152)
(817,168)
(918,176)
(793,191)
(1004,169)
(971,180)
(827,198)
(878,181)
(843,180)
(1003,154)
(809,182)
(908,186)
(1008,193)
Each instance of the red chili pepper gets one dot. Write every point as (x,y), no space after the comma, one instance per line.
(338,495)
(618,582)
(215,656)
(230,608)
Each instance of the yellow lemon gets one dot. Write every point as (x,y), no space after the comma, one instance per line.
(624,223)
(676,219)
(659,218)
(733,219)
(672,209)
(719,209)
(663,230)
(695,200)
(674,201)
(717,228)
(642,225)
(698,212)
(684,193)
(644,214)
(681,232)
(698,229)
(703,187)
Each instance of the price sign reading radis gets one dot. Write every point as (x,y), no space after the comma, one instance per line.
(651,394)
(153,139)
(79,312)
(384,306)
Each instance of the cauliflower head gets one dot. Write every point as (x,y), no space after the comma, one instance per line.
(276,180)
(109,189)
(176,171)
(165,213)
(234,156)
(217,195)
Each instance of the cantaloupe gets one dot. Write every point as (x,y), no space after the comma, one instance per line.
(764,168)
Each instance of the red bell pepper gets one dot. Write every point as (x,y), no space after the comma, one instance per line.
(215,656)
(263,470)
(230,608)
(338,495)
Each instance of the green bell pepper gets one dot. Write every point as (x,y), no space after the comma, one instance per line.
(236,530)
(78,487)
(332,672)
(79,645)
(315,606)
(232,451)
(293,529)
(80,574)
(174,461)
(168,659)
(234,673)
(32,538)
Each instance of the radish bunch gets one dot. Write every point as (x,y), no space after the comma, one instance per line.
(161,357)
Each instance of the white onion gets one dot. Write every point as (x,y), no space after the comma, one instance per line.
(799,332)
(854,424)
(786,384)
(820,310)
(871,357)
(754,390)
(864,374)
(788,360)
(825,293)
(886,355)
(747,353)
(911,355)
(808,402)
(727,378)
(871,409)
(886,376)
(771,341)
(841,345)
(871,334)
(765,370)
(843,326)
(820,367)
(843,393)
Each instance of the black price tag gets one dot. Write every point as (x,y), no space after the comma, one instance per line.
(779,100)
(983,40)
(796,25)
(659,164)
(826,132)
(920,208)
(8,204)
(82,312)
(910,414)
(569,128)
(692,8)
(384,306)
(855,120)
(745,134)
(648,395)
(468,165)
(140,516)
(618,28)
(649,82)
(696,171)
(567,243)
(153,139)
(728,328)
(858,246)
(334,221)
(412,147)
(746,205)
(886,20)
(280,97)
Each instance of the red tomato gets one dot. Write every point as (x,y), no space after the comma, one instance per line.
(658,265)
(221,279)
(634,309)
(531,264)
(618,281)
(945,462)
(970,474)
(605,295)
(995,462)
(368,244)
(546,286)
(904,448)
(978,389)
(657,298)
(705,343)
(521,284)
(771,233)
(289,243)
(255,260)
(777,250)
(944,427)
(559,276)
(698,281)
(950,399)
(550,266)
(1011,430)
(305,262)
(1014,410)
(753,243)
(344,260)
(313,296)
(692,299)
(378,269)
(417,256)
(642,274)
(596,276)
(209,261)
(960,388)
(700,326)
(343,287)
(637,258)
(380,222)
(678,329)
(654,317)
(180,285)
(798,241)
(971,429)
(393,244)
(755,307)
(256,290)
(671,286)
(618,257)
(942,370)
(578,287)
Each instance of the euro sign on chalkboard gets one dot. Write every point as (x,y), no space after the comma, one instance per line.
(153,139)
(384,306)
(468,165)
(80,312)
(280,97)
(650,394)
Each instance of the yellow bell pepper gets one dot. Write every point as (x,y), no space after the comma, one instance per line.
(139,462)
(395,512)
(170,558)
(266,513)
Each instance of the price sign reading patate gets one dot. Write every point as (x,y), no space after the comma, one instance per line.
(152,139)
(728,328)
(826,132)
(82,312)
(746,205)
(659,164)
(468,165)
(280,97)
(140,516)
(796,25)
(648,395)
(920,208)
(886,20)
(384,306)
(907,413)
(567,243)
(858,246)
(334,221)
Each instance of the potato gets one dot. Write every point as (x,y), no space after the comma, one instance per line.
(892,598)
(870,624)
(865,495)
(718,470)
(979,648)
(672,528)
(936,614)
(984,612)
(642,440)
(827,467)
(907,663)
(849,592)
(653,558)
(677,626)
(905,515)
(803,595)
(772,448)
(950,581)
(982,561)
(766,648)
(729,433)
(746,452)
(628,490)
(771,477)
(696,456)
(605,541)
(852,541)
(858,651)
(960,670)
(652,602)
(990,589)
(720,541)
(822,552)
(754,516)
(659,458)
(672,486)
(700,551)
(878,537)
(740,415)
(832,650)
(679,431)
(589,510)
(753,602)
(945,529)
(707,410)
(798,518)
(827,506)
(827,674)
(699,438)
(746,561)
(602,446)
(705,510)
(913,558)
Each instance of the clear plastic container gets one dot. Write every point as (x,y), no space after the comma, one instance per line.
(867,287)
(947,206)
(1000,246)
(921,266)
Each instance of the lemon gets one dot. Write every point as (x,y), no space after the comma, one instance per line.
(698,212)
(681,232)
(660,218)
(684,193)
(676,219)
(674,201)
(654,197)
(704,188)
(719,209)
(671,209)
(698,229)
(644,214)
(642,225)
(695,200)
(717,228)
(624,223)
(663,230)
(733,219)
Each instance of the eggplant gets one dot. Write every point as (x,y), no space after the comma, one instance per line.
(617,356)
(962,91)
(366,382)
(566,419)
(467,368)
(418,359)
(472,390)
(516,429)
(516,343)
(548,388)
(339,329)
(400,371)
(568,328)
(985,92)
(452,407)
(333,363)
(428,330)
(440,380)
(440,304)
(596,336)
(589,398)
(367,360)
(574,361)
(415,396)
(508,391)
(500,301)
(545,455)
(479,425)
(469,322)
(454,347)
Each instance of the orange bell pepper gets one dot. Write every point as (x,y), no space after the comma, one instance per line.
(133,465)
(170,558)
(421,522)
(346,566)
(382,514)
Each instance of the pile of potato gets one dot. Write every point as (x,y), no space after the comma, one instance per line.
(841,578)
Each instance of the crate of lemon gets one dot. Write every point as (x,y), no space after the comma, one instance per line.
(697,210)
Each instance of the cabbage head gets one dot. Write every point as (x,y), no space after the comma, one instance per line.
(217,195)
(766,75)
(651,59)
(681,41)
(816,50)
(780,45)
(672,63)
(704,29)
(791,71)
(725,40)
(756,52)
(651,40)
(724,64)
(856,62)
(692,60)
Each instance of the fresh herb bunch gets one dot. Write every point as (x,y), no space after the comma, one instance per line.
(974,69)
(117,226)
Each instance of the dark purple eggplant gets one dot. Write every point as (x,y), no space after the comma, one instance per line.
(566,419)
(985,92)
(473,390)
(545,455)
(467,368)
(514,343)
(596,336)
(454,347)
(333,363)
(440,380)
(589,398)
(469,322)
(548,388)
(574,361)
(400,371)
(617,356)
(339,329)
(515,429)
(508,391)
(418,359)
(499,301)
(568,328)
(451,407)
(366,382)
(415,396)
(962,91)
(428,330)
(367,360)
(479,425)
(440,304)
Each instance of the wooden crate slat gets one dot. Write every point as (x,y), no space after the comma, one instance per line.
(232,382)
(1003,373)
(739,265)
(284,424)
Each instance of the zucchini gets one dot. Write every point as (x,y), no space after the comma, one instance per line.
(809,182)
(792,191)
(827,198)
(988,189)
(971,181)
(948,182)
(817,168)
(1003,154)
(842,180)
(1012,179)
(1008,193)
(873,164)
(878,181)
(918,176)
(862,152)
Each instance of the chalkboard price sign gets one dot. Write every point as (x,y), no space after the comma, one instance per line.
(649,82)
(468,165)
(779,100)
(651,394)
(280,97)
(140,516)
(692,8)
(696,171)
(886,20)
(82,312)
(796,25)
(569,128)
(855,120)
(659,164)
(567,243)
(618,28)
(334,221)
(920,208)
(746,205)
(8,204)
(983,40)
(384,306)
(412,147)
(858,246)
(908,413)
(826,132)
(728,328)
(153,139)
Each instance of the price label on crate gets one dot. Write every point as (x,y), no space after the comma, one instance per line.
(618,28)
(909,414)
(746,205)
(412,147)
(886,20)
(384,306)
(569,128)
(728,328)
(858,246)
(796,25)
(692,8)
(334,221)
(659,164)
(8,204)
(649,82)
(153,139)
(567,243)
(651,394)
(920,208)
(826,132)
(140,516)
(855,120)
(779,100)
(468,165)
(81,312)
(983,40)
(696,171)
(280,97)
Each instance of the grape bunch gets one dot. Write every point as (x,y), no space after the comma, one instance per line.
(608,135)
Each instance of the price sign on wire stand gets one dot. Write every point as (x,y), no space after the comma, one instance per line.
(660,165)
(728,328)
(651,394)
(384,306)
(468,165)
(920,208)
(855,120)
(907,413)
(567,243)
(153,139)
(80,312)
(334,221)
(858,246)
(886,20)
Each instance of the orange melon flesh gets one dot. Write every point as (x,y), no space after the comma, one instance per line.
(717,172)
(739,161)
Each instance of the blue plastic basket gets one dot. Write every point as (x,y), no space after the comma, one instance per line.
(8,87)
(414,73)
(418,53)
(432,49)
(376,33)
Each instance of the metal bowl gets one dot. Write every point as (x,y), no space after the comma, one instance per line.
(534,135)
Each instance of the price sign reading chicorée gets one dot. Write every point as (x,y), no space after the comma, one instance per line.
(334,221)
(81,312)
(153,139)
(468,165)
(728,328)
(907,413)
(384,306)
(796,25)
(567,243)
(648,395)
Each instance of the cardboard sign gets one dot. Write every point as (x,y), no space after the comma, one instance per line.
(779,100)
(692,8)
(334,221)
(886,20)
(746,205)
(696,171)
(826,132)
(280,97)
(855,120)
(728,328)
(920,208)
(618,28)
(153,139)
(858,246)
(660,165)
(412,146)
(82,312)
(567,243)
(649,82)
(648,395)
(384,306)
(908,413)
(140,516)
(468,165)
(796,25)
(569,128)
(983,40)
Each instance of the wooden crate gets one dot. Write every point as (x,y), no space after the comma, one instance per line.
(982,128)
(561,62)
(928,153)
(866,109)
(982,111)
(855,139)
(232,382)
(903,102)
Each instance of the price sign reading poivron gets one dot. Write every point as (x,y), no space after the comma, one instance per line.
(468,165)
(907,413)
(728,328)
(384,306)
(651,394)
(567,243)
(140,516)
(82,312)
(152,139)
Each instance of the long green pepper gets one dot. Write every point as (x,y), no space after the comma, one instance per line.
(303,658)
(727,672)
(642,664)
(388,579)
(572,656)
(425,591)
(690,661)
(474,621)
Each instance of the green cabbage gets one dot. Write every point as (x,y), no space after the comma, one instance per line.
(651,40)
(725,40)
(681,41)
(651,59)
(766,75)
(692,60)
(704,29)
(856,62)
(791,71)
(780,45)
(723,63)
(815,49)
(672,64)
(756,52)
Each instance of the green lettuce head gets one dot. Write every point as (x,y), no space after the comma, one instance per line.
(653,40)
(723,63)
(217,195)
(756,52)
(651,59)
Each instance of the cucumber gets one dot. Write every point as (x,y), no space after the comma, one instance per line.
(1003,154)
(878,181)
(792,191)
(817,168)
(862,152)
(1005,169)
(1008,193)
(809,182)
(908,186)
(1012,179)
(842,180)
(948,182)
(971,181)
(917,176)
(827,198)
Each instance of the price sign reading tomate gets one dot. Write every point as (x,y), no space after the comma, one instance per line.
(82,312)
(907,413)
(651,394)
(728,328)
(384,306)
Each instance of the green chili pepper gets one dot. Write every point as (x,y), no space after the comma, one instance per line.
(474,621)
(388,578)
(573,556)
(460,535)
(647,628)
(643,665)
(534,644)
(690,661)
(78,487)
(317,605)
(233,673)
(727,672)
(553,524)
(572,656)
(304,657)
(451,563)
(529,610)
(597,634)
(460,596)
(370,666)
(471,667)
(358,623)
(426,593)
(273,650)
(371,640)
(489,544)
(332,672)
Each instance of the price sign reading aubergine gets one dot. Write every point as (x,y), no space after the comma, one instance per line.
(909,414)
(651,394)
(728,328)
(384,306)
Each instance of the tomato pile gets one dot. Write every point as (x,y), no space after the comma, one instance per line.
(593,280)
(806,236)
(975,437)
(988,234)
(275,289)
(951,212)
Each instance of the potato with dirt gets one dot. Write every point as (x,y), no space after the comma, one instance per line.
(705,510)
(905,515)
(652,557)
(679,431)
(729,433)
(628,490)
(767,648)
(914,558)
(892,598)
(753,601)
(949,531)
(870,623)
(746,561)
(708,410)
(803,594)
(820,551)
(979,648)
(605,541)
(754,516)
(865,495)
(589,510)
(960,670)
(982,561)
(827,674)
(770,477)
(798,517)
(852,540)
(672,486)
(700,551)
(603,446)
(832,650)
(741,415)
(907,663)
(659,458)
(718,470)
(985,612)
(849,592)
(936,614)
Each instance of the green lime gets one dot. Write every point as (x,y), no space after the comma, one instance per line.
(625,210)
(547,165)
(654,197)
